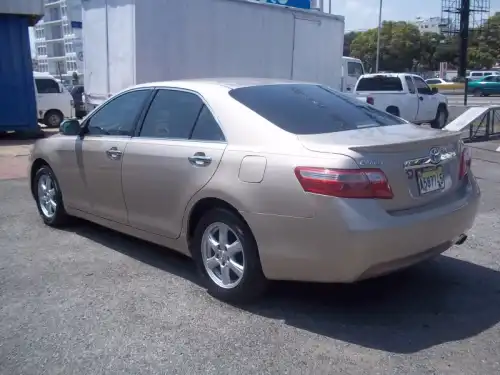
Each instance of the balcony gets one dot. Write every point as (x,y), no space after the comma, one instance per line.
(49,3)
(52,22)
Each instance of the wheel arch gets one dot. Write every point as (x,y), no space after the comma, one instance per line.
(393,110)
(203,206)
(35,166)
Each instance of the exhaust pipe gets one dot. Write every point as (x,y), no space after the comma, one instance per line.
(461,239)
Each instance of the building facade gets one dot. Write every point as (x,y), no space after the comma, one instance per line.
(58,38)
(431,25)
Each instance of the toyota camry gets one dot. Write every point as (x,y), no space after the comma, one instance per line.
(259,180)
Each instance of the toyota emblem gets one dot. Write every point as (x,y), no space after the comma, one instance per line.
(435,155)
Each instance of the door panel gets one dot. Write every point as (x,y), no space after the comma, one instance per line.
(428,102)
(411,107)
(68,167)
(100,152)
(101,158)
(160,177)
(176,153)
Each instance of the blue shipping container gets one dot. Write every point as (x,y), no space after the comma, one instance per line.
(17,91)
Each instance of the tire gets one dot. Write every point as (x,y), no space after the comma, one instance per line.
(477,92)
(58,217)
(441,118)
(239,289)
(53,118)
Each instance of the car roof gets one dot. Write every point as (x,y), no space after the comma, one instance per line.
(229,82)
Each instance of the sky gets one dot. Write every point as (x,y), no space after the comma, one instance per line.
(363,14)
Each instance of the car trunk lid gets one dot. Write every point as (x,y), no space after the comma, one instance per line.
(421,164)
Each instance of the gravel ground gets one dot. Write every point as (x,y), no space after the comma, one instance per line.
(91,301)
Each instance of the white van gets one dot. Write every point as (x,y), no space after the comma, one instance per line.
(477,74)
(352,69)
(53,101)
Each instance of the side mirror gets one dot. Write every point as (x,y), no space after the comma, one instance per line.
(70,127)
(434,90)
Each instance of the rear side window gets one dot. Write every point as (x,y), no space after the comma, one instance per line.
(433,81)
(379,83)
(310,109)
(172,114)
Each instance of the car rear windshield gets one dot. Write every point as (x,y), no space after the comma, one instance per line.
(379,83)
(311,109)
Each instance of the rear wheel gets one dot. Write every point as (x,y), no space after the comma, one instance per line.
(53,118)
(48,198)
(477,92)
(227,257)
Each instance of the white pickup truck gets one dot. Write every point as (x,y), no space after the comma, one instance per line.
(404,95)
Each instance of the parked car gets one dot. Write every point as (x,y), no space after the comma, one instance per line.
(54,102)
(486,86)
(438,81)
(260,180)
(406,96)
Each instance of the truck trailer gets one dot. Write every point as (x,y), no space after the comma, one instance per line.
(133,42)
(18,111)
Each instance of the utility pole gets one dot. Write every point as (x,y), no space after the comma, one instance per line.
(377,61)
(464,43)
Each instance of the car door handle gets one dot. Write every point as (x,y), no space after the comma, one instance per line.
(114,154)
(199,159)
(421,98)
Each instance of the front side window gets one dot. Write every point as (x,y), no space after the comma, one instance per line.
(354,69)
(421,86)
(47,86)
(172,114)
(310,109)
(119,116)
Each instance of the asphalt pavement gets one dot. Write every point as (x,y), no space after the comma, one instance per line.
(88,300)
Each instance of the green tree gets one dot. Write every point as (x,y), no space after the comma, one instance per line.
(399,46)
(430,48)
(348,38)
(484,45)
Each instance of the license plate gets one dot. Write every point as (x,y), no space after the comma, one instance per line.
(430,179)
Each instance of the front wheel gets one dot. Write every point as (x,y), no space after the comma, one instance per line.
(227,257)
(477,92)
(441,118)
(48,198)
(53,118)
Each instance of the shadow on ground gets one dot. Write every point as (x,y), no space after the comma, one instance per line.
(435,302)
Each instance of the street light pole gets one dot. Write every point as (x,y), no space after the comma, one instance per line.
(378,36)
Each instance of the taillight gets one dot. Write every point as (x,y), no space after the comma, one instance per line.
(370,100)
(345,183)
(465,162)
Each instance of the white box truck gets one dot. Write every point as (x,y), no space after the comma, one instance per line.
(128,42)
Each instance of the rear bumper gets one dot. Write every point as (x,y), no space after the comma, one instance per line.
(359,242)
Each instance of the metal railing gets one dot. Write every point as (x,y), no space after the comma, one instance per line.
(478,123)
